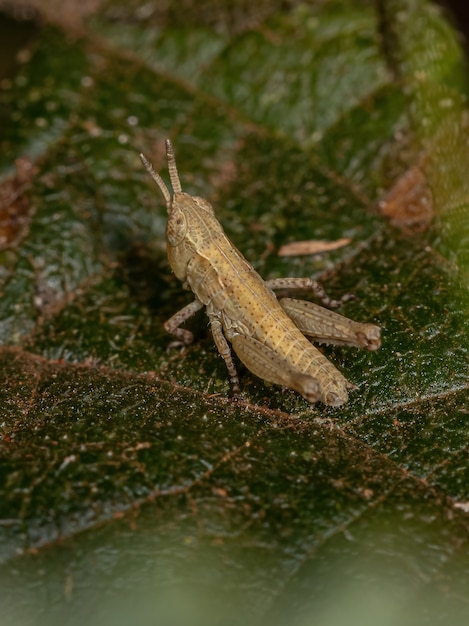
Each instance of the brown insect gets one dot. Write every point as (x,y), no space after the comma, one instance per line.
(267,334)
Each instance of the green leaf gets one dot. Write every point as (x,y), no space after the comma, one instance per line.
(132,487)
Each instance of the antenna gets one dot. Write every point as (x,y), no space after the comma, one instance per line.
(173,172)
(158,180)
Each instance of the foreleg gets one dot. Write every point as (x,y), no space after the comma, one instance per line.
(172,326)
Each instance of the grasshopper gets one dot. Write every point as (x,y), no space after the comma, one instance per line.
(267,334)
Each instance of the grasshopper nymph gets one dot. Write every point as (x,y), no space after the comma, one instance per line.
(267,334)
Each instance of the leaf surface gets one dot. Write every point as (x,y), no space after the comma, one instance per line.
(131,485)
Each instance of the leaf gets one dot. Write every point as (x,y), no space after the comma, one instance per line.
(131,484)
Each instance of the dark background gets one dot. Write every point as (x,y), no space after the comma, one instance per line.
(459,9)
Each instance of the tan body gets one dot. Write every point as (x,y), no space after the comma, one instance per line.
(266,334)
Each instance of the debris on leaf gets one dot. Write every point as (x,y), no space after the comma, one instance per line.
(409,203)
(313,246)
(15,209)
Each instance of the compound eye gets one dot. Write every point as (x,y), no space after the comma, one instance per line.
(176,227)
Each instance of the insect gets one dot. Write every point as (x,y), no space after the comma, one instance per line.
(268,335)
